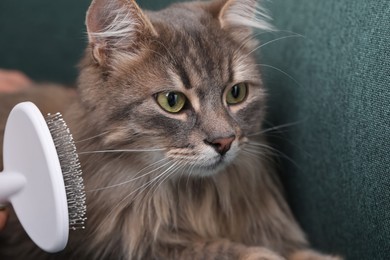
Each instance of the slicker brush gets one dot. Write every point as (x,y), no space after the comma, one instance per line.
(42,176)
(71,170)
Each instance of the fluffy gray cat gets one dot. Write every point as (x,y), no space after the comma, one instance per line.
(168,127)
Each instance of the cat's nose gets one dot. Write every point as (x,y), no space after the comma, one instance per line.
(221,145)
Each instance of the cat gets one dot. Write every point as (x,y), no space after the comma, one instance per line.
(168,126)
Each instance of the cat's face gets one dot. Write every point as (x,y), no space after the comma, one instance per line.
(179,82)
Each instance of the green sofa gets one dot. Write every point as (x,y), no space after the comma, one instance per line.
(338,94)
(328,74)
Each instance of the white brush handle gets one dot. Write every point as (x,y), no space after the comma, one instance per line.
(10,185)
(39,200)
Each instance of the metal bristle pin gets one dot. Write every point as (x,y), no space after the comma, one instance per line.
(71,170)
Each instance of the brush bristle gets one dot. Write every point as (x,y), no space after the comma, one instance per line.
(71,170)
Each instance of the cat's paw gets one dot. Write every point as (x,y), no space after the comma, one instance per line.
(312,255)
(260,253)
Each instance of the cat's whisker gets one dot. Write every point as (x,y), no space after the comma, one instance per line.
(251,37)
(290,32)
(152,182)
(136,177)
(181,164)
(90,138)
(258,145)
(191,169)
(281,71)
(142,187)
(257,154)
(253,156)
(262,155)
(275,151)
(123,151)
(275,128)
(169,173)
(173,171)
(272,41)
(163,175)
(185,170)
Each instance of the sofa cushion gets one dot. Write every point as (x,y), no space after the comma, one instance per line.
(333,84)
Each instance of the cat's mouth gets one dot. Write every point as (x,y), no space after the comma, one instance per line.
(213,165)
(202,162)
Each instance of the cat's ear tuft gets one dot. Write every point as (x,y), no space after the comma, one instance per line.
(241,16)
(245,13)
(116,25)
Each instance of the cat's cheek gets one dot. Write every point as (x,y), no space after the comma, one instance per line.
(250,118)
(232,154)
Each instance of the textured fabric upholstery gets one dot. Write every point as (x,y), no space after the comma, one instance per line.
(329,76)
(337,93)
(42,38)
(45,39)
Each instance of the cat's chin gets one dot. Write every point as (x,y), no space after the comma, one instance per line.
(211,168)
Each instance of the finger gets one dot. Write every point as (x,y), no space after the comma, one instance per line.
(14,76)
(18,78)
(3,218)
(11,81)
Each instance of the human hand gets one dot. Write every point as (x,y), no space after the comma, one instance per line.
(3,217)
(12,81)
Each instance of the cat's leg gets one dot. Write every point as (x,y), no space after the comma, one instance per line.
(219,249)
(311,255)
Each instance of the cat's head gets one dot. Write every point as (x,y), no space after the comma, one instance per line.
(183,80)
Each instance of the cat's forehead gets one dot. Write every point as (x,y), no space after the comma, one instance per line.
(189,25)
(182,15)
(190,53)
(198,51)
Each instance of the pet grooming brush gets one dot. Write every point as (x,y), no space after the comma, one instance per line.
(42,176)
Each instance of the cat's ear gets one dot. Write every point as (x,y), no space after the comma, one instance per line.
(241,16)
(116,25)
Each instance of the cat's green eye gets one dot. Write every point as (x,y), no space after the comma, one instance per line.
(237,94)
(172,102)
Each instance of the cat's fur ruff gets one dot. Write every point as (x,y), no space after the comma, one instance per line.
(168,206)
